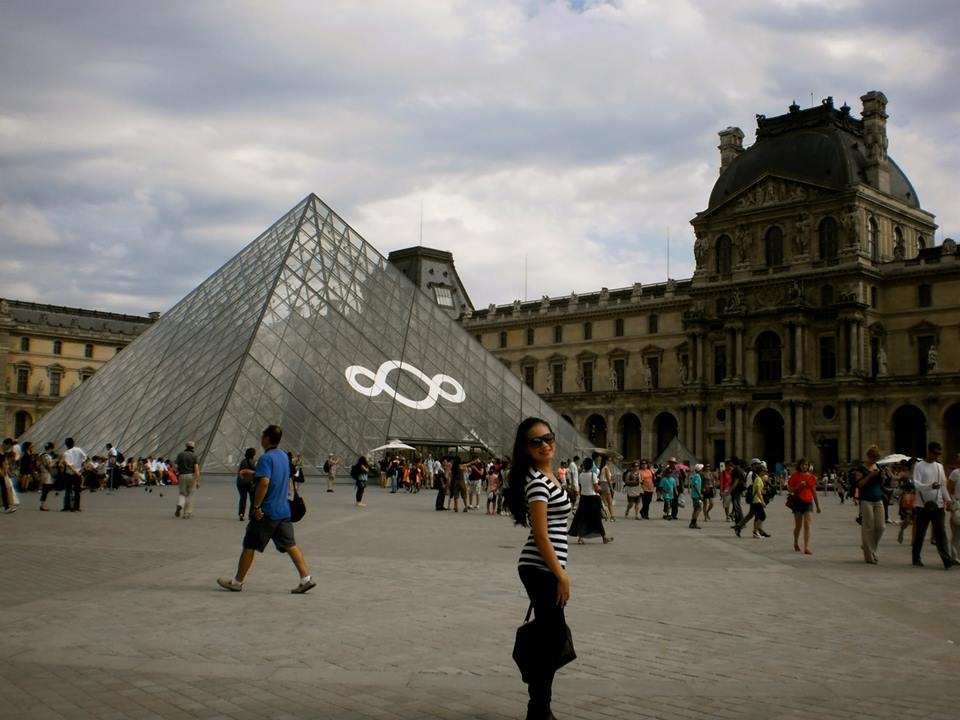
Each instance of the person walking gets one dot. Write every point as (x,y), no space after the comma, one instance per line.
(46,465)
(758,501)
(72,467)
(359,473)
(868,482)
(631,482)
(933,499)
(188,480)
(748,480)
(605,481)
(647,488)
(588,520)
(953,488)
(802,486)
(440,485)
(696,496)
(536,499)
(245,475)
(725,481)
(709,491)
(458,485)
(270,516)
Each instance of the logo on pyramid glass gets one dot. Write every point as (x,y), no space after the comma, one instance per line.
(439,386)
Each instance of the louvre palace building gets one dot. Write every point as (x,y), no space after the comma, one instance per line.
(821,317)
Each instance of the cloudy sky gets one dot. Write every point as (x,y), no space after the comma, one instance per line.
(144,143)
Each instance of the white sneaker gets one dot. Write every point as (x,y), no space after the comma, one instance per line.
(229,584)
(757,535)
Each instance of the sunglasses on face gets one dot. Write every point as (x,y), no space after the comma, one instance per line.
(548,439)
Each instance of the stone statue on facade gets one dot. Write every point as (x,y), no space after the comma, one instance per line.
(548,389)
(801,234)
(612,378)
(647,376)
(684,373)
(882,369)
(851,224)
(700,251)
(932,359)
(579,379)
(736,301)
(741,241)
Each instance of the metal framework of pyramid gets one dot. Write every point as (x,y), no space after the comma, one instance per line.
(311,328)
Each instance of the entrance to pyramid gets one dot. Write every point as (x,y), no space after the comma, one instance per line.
(311,328)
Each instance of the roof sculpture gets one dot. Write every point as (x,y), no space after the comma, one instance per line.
(311,328)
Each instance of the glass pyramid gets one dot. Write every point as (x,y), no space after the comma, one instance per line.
(308,327)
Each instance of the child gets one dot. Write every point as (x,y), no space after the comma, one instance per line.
(493,484)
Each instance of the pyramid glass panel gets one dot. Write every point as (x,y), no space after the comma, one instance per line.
(308,327)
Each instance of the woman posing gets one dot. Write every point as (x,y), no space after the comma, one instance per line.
(536,498)
(802,485)
(606,487)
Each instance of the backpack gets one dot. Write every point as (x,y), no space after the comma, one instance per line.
(326,466)
(120,458)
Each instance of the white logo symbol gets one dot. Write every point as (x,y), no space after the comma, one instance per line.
(453,392)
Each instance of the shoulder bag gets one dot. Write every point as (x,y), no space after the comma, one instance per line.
(527,648)
(298,508)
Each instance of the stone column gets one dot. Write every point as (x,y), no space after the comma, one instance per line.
(731,357)
(798,349)
(646,433)
(702,431)
(740,368)
(688,426)
(701,357)
(728,431)
(788,433)
(843,421)
(855,449)
(800,440)
(740,435)
(851,346)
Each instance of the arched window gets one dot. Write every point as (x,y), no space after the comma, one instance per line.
(724,255)
(827,232)
(773,244)
(768,357)
(921,242)
(24,344)
(873,239)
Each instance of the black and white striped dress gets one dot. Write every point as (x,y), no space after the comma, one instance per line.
(540,488)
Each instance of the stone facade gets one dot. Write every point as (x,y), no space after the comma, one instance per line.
(820,318)
(46,351)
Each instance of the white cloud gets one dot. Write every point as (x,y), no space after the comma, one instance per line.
(574,138)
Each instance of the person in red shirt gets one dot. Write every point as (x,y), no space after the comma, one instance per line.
(802,485)
(725,482)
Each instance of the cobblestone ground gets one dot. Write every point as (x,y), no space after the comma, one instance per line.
(114,613)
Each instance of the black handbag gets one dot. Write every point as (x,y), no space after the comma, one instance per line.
(298,508)
(527,650)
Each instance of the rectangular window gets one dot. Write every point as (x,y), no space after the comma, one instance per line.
(828,357)
(654,364)
(557,370)
(653,324)
(618,327)
(586,370)
(503,339)
(558,333)
(25,344)
(925,295)
(529,336)
(57,347)
(719,363)
(873,297)
(55,377)
(587,331)
(23,379)
(88,350)
(444,296)
(619,373)
(528,373)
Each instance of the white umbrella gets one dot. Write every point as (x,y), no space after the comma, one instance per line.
(393,445)
(895,458)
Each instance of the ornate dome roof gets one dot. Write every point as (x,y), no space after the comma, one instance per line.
(820,145)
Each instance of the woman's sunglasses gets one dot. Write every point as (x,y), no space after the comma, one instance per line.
(548,439)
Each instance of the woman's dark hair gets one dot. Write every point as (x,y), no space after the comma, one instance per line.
(516,489)
(587,464)
(249,453)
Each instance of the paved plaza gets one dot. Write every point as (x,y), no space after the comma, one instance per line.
(115,613)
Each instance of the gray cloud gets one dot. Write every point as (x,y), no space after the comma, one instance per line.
(142,144)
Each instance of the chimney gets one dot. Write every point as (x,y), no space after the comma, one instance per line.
(875,139)
(731,145)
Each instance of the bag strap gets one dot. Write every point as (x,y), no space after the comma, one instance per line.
(529,610)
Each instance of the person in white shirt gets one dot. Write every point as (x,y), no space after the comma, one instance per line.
(933,499)
(72,465)
(953,488)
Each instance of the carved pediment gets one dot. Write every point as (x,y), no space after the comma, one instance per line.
(769,191)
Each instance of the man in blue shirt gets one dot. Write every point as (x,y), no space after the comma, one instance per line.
(270,517)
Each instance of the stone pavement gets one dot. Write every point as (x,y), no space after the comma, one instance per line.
(114,613)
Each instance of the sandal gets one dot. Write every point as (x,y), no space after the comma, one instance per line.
(580,541)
